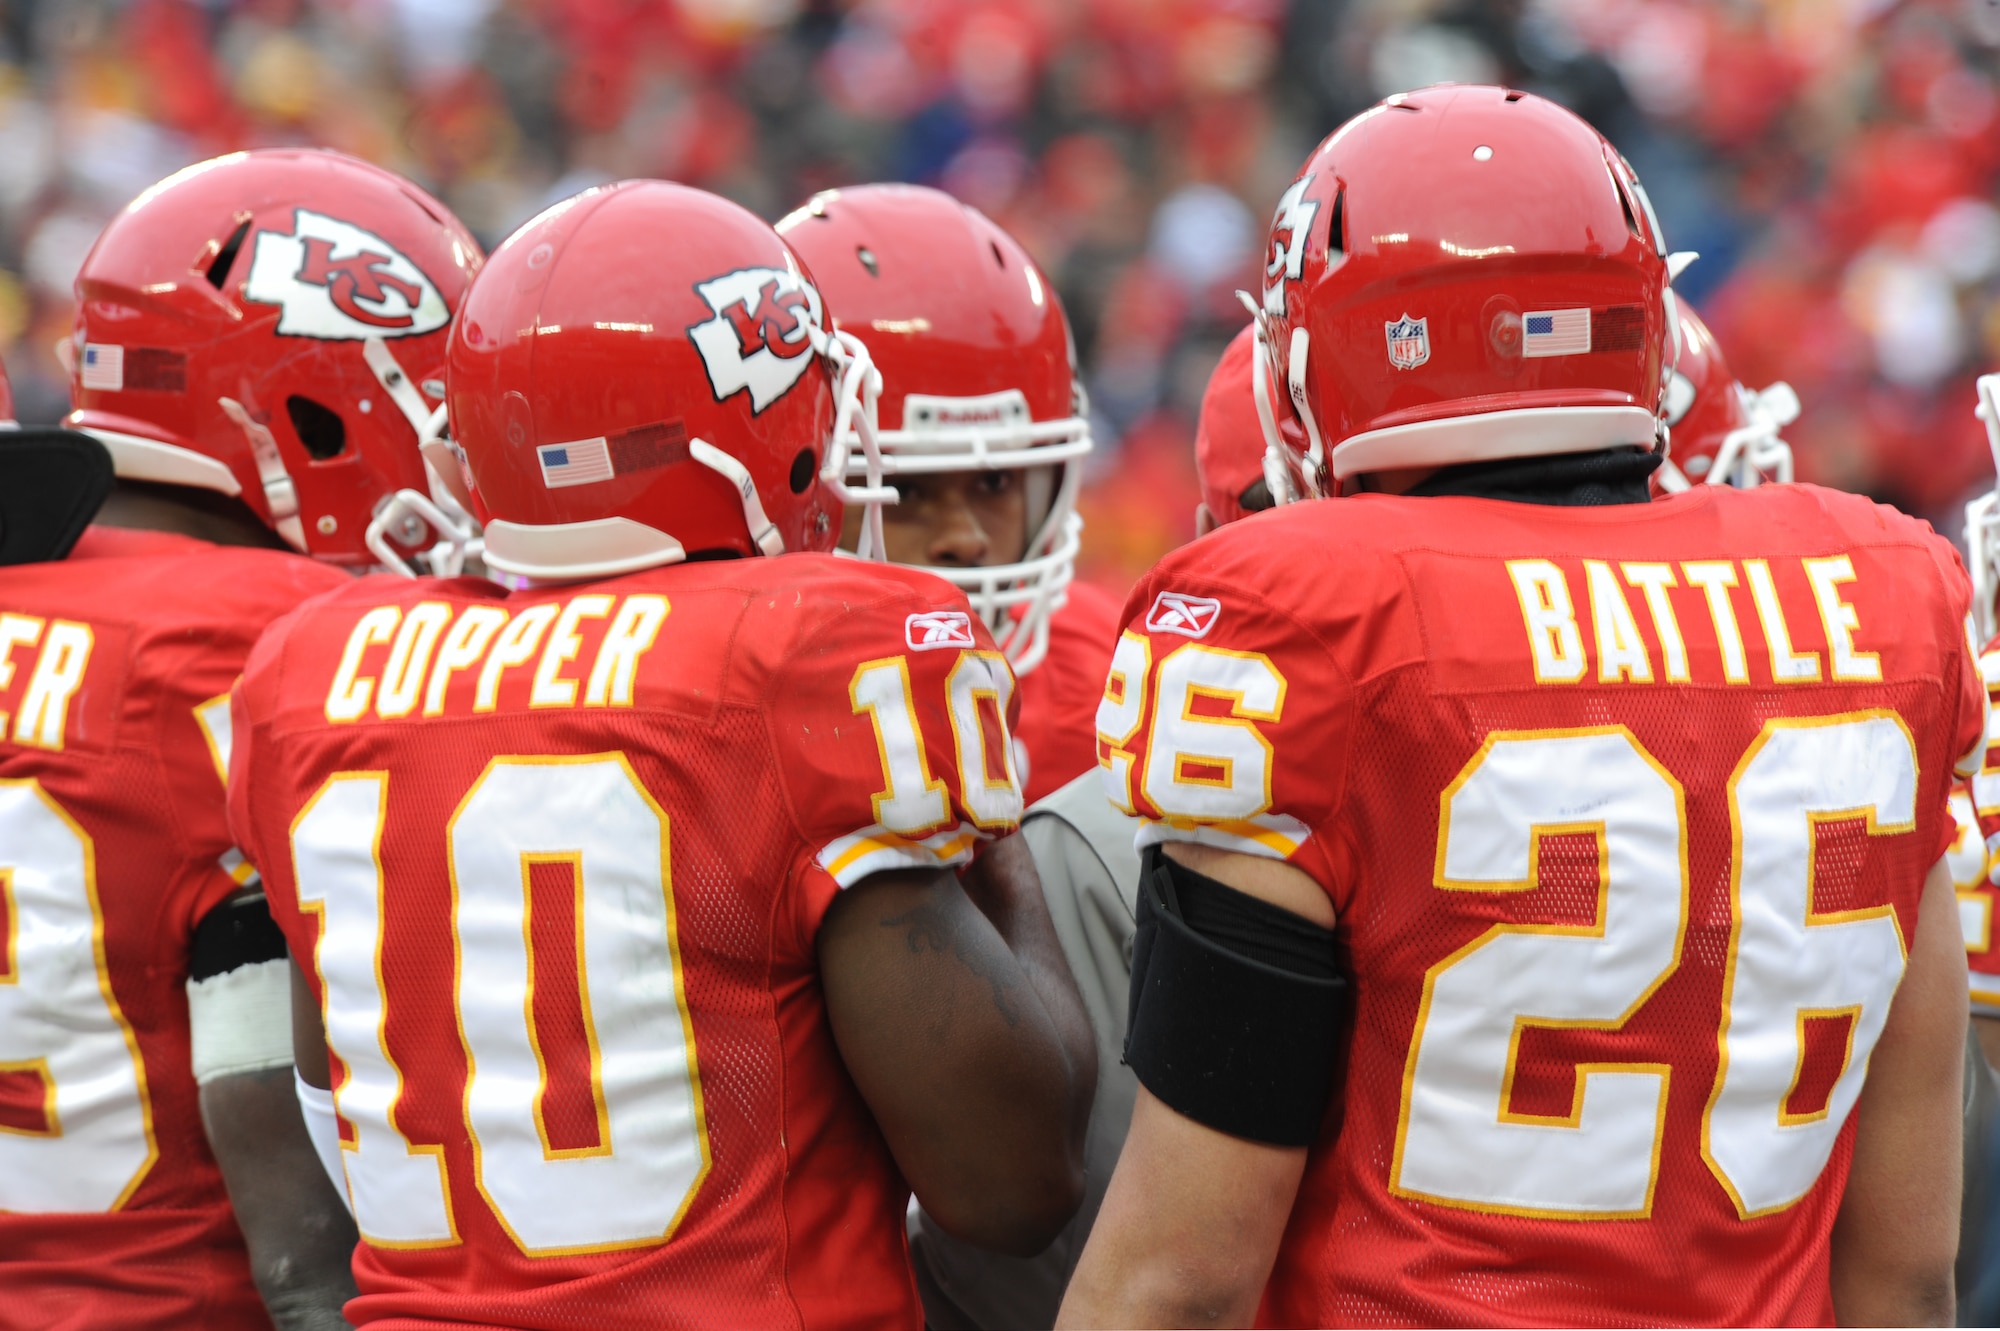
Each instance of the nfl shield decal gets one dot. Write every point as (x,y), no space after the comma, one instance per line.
(1409,341)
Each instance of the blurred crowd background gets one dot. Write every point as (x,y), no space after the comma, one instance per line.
(1834,161)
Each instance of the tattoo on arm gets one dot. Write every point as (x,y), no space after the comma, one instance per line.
(931,928)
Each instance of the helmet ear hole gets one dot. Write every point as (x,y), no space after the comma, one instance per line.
(803,467)
(319,428)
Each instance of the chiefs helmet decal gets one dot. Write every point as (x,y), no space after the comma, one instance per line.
(1289,226)
(766,320)
(337,282)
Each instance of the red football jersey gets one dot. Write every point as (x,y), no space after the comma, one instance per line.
(560,857)
(1060,695)
(113,844)
(1625,813)
(1974,858)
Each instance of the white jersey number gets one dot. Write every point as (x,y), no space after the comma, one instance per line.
(590,822)
(1460,1142)
(88,1144)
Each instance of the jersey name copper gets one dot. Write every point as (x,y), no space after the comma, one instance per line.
(1592,634)
(401,663)
(35,692)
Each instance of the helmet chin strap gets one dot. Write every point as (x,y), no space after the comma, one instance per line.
(445,510)
(858,388)
(1277,476)
(763,532)
(446,559)
(1315,468)
(280,494)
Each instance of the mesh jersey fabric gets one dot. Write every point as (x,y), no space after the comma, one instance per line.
(758,724)
(1060,695)
(1977,856)
(1329,681)
(112,1210)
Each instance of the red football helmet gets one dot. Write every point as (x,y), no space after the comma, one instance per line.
(1240,471)
(1723,433)
(978,371)
(1465,273)
(272,325)
(642,372)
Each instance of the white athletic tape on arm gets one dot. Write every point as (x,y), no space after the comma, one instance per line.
(324,1129)
(241,1020)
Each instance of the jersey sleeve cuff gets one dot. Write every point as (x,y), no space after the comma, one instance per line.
(1274,836)
(849,859)
(1985,993)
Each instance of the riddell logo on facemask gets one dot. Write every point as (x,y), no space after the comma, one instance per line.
(766,322)
(334,280)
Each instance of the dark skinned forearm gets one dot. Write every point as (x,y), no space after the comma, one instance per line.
(300,1237)
(1005,887)
(958,1060)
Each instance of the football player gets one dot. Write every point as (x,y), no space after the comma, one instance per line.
(1542,918)
(629,900)
(1083,854)
(246,333)
(1722,432)
(979,373)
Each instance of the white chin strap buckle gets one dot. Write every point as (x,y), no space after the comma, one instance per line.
(407,516)
(280,495)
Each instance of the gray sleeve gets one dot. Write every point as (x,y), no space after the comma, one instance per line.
(1082,849)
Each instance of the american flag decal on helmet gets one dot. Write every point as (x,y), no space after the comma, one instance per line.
(1177,612)
(928,630)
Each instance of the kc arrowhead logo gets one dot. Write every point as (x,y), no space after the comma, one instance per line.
(766,321)
(333,280)
(1177,612)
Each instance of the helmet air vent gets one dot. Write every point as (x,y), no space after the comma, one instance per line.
(1336,227)
(225,258)
(998,262)
(867,257)
(1514,95)
(319,428)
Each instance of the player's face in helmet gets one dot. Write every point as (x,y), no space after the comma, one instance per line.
(982,428)
(959,519)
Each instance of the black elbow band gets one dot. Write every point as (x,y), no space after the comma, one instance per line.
(1237,1009)
(240,932)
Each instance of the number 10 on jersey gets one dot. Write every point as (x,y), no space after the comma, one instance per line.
(591,820)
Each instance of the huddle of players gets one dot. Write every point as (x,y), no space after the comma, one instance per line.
(657,926)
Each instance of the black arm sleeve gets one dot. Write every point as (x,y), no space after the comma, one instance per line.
(1237,1009)
(240,932)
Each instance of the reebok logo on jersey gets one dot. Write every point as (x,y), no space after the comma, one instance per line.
(334,280)
(929,630)
(767,321)
(1177,612)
